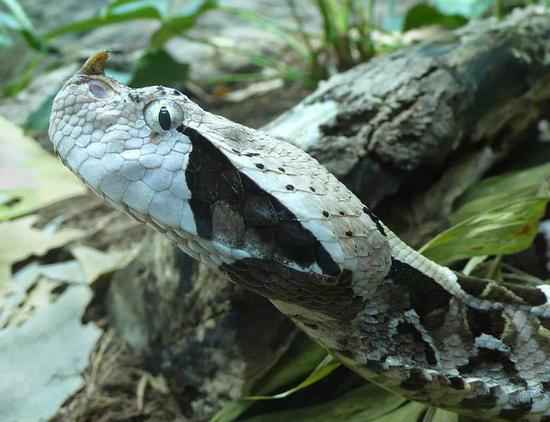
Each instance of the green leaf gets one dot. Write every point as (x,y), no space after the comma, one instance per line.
(363,404)
(336,17)
(426,15)
(119,11)
(33,40)
(302,358)
(157,67)
(23,25)
(503,230)
(323,370)
(503,189)
(524,183)
(499,216)
(411,412)
(441,415)
(23,79)
(181,21)
(139,8)
(18,13)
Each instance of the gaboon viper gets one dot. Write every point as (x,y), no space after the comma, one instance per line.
(277,222)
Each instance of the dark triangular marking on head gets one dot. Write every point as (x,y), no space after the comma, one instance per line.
(211,177)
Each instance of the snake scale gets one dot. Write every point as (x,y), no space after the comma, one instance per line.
(278,223)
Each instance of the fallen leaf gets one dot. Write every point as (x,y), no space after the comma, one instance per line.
(30,177)
(20,241)
(96,263)
(41,361)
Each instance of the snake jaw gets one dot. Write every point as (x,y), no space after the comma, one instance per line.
(95,65)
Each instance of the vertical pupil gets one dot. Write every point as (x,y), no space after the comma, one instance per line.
(165,121)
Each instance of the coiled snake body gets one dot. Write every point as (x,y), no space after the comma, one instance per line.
(277,222)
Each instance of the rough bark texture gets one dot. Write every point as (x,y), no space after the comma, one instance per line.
(211,338)
(395,124)
(440,111)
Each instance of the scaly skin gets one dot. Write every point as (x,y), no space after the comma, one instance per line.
(277,222)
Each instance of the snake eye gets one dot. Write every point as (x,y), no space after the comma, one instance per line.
(165,121)
(163,115)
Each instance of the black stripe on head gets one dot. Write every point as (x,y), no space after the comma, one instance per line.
(211,177)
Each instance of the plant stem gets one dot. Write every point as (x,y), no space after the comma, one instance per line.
(499,9)
(494,266)
(300,25)
(316,70)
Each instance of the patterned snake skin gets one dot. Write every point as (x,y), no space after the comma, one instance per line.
(273,219)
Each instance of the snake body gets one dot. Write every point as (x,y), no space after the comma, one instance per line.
(277,222)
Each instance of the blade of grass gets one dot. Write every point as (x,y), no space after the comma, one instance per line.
(111,15)
(363,404)
(24,25)
(302,358)
(498,216)
(324,369)
(181,21)
(269,24)
(19,14)
(502,230)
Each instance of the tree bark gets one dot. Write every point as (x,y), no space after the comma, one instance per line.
(408,131)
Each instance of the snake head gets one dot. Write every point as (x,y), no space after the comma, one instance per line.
(126,144)
(222,191)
